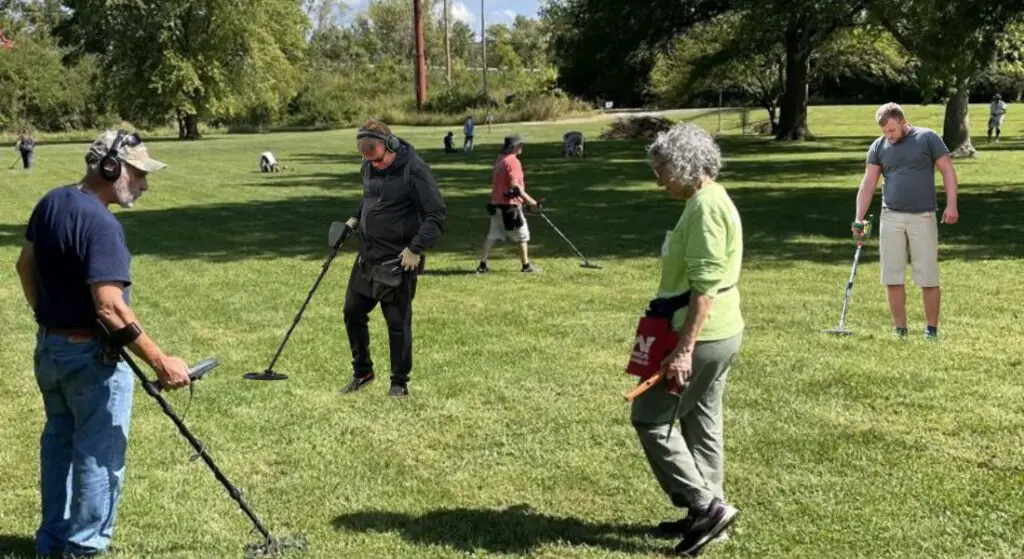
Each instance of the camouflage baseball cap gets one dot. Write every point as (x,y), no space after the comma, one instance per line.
(132,151)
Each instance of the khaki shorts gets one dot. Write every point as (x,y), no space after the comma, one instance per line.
(497,231)
(920,233)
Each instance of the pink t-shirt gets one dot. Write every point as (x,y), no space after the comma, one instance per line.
(507,171)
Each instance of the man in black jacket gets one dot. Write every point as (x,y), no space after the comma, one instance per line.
(400,216)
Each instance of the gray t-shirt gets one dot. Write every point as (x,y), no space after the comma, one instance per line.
(908,167)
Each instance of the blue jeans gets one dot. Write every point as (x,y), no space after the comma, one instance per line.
(88,408)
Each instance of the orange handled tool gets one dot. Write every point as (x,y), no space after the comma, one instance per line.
(645,386)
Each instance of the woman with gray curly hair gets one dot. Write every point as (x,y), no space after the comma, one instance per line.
(701,259)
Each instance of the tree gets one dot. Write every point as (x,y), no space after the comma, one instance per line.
(800,27)
(607,49)
(529,39)
(194,59)
(325,14)
(722,54)
(595,61)
(955,43)
(711,58)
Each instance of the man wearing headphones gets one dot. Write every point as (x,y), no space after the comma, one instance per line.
(74,269)
(400,215)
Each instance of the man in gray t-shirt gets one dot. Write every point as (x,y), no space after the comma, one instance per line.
(907,157)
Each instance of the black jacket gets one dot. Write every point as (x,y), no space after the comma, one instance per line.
(401,207)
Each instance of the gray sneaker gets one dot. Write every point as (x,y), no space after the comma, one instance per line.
(708,525)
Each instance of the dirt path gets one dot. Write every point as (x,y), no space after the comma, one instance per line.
(614,115)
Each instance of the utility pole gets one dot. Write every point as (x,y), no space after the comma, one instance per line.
(483,43)
(421,60)
(447,43)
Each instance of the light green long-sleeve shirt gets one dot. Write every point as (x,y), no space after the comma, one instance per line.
(704,254)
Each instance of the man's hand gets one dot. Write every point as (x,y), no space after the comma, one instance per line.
(410,260)
(858,229)
(679,366)
(172,372)
(950,216)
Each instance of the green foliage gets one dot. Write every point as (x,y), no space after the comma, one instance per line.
(955,42)
(712,57)
(211,58)
(607,49)
(366,69)
(37,89)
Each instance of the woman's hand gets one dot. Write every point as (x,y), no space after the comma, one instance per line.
(679,366)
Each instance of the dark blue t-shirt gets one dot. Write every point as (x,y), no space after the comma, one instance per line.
(77,242)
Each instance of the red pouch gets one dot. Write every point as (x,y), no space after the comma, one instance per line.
(654,341)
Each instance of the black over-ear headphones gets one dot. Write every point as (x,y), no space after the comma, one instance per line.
(110,165)
(391,142)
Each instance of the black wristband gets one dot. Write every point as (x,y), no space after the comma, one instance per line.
(126,335)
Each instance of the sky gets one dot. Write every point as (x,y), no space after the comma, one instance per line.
(496,11)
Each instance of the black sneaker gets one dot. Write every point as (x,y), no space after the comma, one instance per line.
(398,391)
(530,269)
(482,268)
(706,527)
(358,383)
(675,528)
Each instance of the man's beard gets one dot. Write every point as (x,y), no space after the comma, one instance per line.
(125,197)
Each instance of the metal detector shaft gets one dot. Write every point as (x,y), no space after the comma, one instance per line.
(849,284)
(198,446)
(566,239)
(295,322)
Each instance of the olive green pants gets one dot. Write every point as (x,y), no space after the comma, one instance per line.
(689,465)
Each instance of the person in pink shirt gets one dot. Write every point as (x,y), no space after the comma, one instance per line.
(508,193)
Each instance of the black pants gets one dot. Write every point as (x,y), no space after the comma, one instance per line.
(397,310)
(26,158)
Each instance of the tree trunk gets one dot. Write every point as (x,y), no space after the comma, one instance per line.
(956,132)
(447,43)
(793,117)
(192,127)
(181,125)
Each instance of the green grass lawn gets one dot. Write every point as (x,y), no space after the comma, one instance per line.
(516,440)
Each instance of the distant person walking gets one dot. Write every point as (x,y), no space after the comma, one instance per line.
(26,145)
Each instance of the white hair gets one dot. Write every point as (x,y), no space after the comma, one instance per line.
(688,152)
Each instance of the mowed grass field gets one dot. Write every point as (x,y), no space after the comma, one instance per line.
(516,441)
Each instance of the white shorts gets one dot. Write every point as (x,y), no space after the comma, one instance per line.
(996,121)
(920,233)
(497,230)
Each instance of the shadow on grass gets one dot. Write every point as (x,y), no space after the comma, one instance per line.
(17,547)
(515,530)
(607,204)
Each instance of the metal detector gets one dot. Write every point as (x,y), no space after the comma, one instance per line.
(586,263)
(270,545)
(841,330)
(335,239)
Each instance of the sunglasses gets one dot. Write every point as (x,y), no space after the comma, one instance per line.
(129,141)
